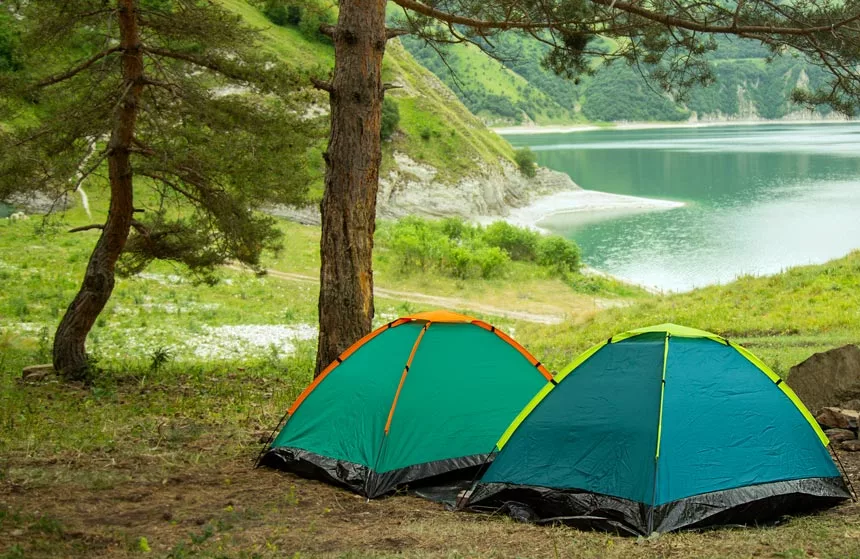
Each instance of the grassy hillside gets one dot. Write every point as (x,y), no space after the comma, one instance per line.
(517,88)
(435,128)
(783,318)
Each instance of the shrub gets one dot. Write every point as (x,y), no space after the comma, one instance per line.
(415,244)
(456,228)
(493,262)
(465,262)
(390,117)
(525,159)
(558,254)
(425,134)
(452,246)
(520,243)
(279,13)
(311,20)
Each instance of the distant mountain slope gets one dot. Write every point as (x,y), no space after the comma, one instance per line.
(747,87)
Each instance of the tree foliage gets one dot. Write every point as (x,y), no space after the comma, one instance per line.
(216,130)
(390,117)
(670,44)
(525,159)
(198,125)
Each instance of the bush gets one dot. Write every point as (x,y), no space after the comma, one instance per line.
(525,159)
(415,244)
(390,117)
(558,254)
(456,228)
(312,19)
(465,262)
(520,243)
(452,246)
(279,13)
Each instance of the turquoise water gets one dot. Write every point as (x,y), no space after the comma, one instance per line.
(758,199)
(5,210)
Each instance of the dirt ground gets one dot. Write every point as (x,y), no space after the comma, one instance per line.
(86,509)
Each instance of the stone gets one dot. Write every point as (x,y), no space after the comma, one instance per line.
(37,372)
(840,435)
(830,378)
(415,188)
(838,418)
(850,446)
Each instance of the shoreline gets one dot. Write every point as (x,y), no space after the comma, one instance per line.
(569,128)
(585,202)
(580,201)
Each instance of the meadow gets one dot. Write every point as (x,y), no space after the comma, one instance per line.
(155,458)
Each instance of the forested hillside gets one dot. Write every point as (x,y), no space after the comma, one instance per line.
(513,87)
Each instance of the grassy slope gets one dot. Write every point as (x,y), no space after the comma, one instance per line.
(164,453)
(459,143)
(783,318)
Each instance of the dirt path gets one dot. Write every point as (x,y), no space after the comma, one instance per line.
(443,302)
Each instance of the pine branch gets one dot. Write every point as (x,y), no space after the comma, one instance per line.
(51,80)
(627,7)
(87,227)
(323,85)
(207,63)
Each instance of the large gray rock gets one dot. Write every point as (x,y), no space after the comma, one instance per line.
(830,378)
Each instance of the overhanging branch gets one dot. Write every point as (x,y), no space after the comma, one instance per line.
(627,7)
(51,80)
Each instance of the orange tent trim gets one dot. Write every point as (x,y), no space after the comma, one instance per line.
(428,317)
(340,359)
(403,376)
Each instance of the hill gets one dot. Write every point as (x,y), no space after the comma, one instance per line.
(512,86)
(439,147)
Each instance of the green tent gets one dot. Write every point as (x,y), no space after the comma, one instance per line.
(425,396)
(659,429)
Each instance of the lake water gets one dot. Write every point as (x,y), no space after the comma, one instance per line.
(5,210)
(758,198)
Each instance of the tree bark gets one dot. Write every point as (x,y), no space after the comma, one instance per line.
(351,180)
(69,352)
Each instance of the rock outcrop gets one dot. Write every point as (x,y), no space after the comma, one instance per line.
(830,378)
(413,188)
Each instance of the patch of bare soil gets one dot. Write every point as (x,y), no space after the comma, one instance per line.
(233,510)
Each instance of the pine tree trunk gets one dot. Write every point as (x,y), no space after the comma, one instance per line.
(69,350)
(351,179)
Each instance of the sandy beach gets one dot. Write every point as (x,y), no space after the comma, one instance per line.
(565,129)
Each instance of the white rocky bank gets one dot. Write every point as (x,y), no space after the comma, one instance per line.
(413,189)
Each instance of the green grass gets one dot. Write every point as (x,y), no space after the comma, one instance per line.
(160,451)
(458,143)
(783,318)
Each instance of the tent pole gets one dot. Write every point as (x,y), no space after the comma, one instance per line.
(844,473)
(659,435)
(270,439)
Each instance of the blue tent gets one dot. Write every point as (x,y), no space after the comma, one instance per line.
(658,429)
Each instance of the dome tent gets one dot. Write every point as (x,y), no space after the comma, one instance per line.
(659,429)
(424,396)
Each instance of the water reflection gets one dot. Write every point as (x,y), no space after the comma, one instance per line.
(759,199)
